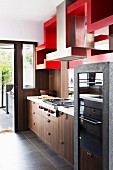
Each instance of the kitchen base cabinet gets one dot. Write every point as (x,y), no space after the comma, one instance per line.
(89,161)
(66,136)
(57,132)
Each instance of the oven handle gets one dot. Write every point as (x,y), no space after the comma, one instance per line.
(90,121)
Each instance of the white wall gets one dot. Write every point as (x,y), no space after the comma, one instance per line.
(21,30)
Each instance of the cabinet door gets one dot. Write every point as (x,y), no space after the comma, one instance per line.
(29,111)
(50,133)
(66,136)
(69,137)
(89,161)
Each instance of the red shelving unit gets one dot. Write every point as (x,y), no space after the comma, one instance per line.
(41,62)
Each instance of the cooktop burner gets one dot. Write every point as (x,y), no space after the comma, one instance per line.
(59,102)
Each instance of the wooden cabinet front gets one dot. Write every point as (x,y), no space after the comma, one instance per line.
(89,161)
(57,132)
(66,136)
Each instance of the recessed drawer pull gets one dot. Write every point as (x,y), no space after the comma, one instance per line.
(48,120)
(90,121)
(49,133)
(34,123)
(89,154)
(61,142)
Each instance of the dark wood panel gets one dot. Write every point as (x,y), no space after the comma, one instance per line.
(55,81)
(64,79)
(89,161)
(42,80)
(66,136)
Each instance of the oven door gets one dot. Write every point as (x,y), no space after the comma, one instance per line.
(92,126)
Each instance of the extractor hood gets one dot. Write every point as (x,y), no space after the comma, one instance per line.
(63,52)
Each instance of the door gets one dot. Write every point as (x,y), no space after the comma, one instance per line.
(6,87)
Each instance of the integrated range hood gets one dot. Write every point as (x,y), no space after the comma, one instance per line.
(67,23)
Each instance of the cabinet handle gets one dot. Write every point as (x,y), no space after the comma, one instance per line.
(48,114)
(61,142)
(62,113)
(48,120)
(33,102)
(49,133)
(34,113)
(66,116)
(89,154)
(34,123)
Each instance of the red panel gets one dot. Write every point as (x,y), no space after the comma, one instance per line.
(53,64)
(100,14)
(79,51)
(79,7)
(101,9)
(92,52)
(51,22)
(41,55)
(50,38)
(73,63)
(101,38)
(40,47)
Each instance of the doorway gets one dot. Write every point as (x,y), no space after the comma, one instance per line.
(6,87)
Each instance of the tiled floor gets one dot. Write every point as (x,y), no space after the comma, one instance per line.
(25,151)
(6,121)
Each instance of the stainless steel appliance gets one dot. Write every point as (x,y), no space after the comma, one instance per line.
(50,106)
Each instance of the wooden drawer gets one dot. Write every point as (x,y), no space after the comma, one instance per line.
(50,133)
(49,116)
(35,107)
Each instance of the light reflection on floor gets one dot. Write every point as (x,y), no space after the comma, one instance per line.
(6,121)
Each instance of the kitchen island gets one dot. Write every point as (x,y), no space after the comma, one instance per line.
(56,130)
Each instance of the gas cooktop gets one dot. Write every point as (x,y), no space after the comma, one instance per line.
(59,101)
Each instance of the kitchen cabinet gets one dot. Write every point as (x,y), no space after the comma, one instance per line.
(32,116)
(41,62)
(66,136)
(57,132)
(89,161)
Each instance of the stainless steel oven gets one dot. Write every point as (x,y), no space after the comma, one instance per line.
(91,117)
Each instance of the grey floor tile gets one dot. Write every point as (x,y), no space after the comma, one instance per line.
(39,144)
(28,161)
(29,134)
(58,161)
(9,148)
(67,167)
(25,151)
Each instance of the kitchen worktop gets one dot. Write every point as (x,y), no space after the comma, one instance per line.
(38,100)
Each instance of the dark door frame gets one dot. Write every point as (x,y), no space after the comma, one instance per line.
(17,54)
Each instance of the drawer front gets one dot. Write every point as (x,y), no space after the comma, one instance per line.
(34,107)
(49,116)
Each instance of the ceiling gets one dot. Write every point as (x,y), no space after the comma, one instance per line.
(28,10)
